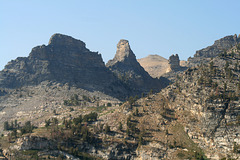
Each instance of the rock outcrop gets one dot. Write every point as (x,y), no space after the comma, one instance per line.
(174,67)
(34,143)
(126,67)
(174,62)
(64,60)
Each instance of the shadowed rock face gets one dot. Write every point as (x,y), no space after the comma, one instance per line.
(65,60)
(127,68)
(68,60)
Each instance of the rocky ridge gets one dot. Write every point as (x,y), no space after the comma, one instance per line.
(64,60)
(220,46)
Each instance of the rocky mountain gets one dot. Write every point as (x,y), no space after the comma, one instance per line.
(125,66)
(155,65)
(195,117)
(219,46)
(210,94)
(64,60)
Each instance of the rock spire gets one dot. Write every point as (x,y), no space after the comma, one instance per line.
(125,66)
(174,62)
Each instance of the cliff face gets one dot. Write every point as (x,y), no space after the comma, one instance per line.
(127,68)
(64,60)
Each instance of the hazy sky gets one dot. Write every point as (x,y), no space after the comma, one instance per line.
(160,27)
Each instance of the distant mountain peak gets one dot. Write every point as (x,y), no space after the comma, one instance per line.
(155,57)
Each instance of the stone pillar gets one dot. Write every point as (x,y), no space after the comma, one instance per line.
(174,62)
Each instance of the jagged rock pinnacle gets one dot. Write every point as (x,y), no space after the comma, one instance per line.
(123,53)
(125,66)
(124,50)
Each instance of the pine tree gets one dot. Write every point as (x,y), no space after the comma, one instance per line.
(6,126)
(136,113)
(47,123)
(107,129)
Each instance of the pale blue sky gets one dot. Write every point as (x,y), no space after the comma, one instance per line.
(151,26)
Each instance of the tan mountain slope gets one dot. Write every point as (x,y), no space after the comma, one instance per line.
(155,65)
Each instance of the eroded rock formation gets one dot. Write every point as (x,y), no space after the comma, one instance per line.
(127,68)
(174,62)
